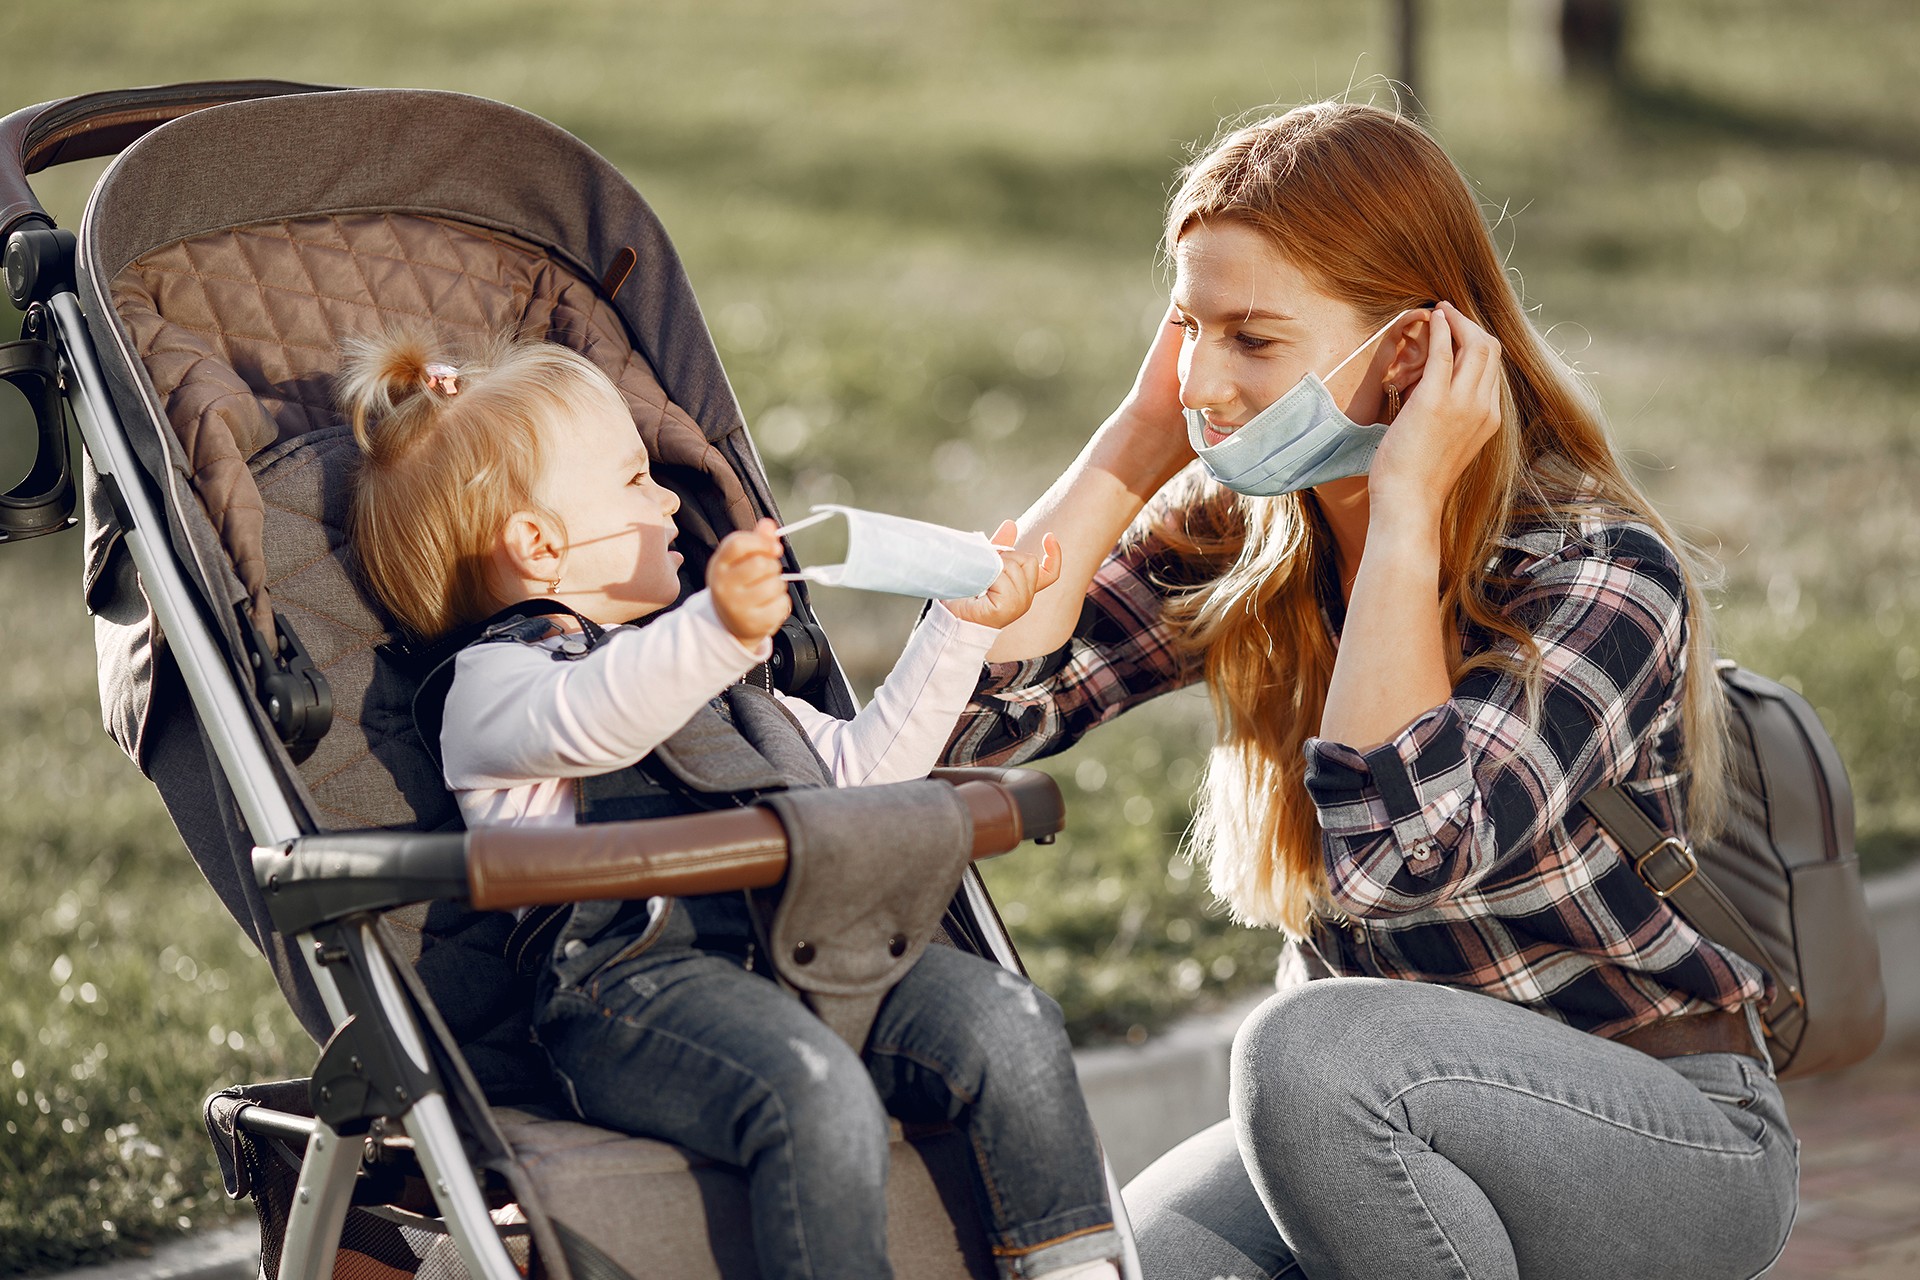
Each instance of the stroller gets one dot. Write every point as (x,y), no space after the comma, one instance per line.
(192,328)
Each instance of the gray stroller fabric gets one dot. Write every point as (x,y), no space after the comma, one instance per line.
(240,332)
(665,1212)
(338,211)
(858,909)
(243,241)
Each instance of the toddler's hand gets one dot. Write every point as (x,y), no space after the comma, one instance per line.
(744,578)
(1023,575)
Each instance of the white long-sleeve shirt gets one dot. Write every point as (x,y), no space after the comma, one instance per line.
(520,725)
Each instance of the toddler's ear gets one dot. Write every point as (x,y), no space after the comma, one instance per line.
(528,550)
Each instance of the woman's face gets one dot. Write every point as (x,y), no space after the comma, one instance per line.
(1255,326)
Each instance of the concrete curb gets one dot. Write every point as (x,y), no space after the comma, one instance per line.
(229,1253)
(1144,1100)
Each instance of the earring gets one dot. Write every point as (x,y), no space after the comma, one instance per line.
(1393,399)
(553,587)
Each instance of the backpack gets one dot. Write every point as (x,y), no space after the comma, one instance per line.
(1780,885)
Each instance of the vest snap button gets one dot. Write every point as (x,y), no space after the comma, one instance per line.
(897,945)
(803,953)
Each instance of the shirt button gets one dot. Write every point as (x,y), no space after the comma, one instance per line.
(574,949)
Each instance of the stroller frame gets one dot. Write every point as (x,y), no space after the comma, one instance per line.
(389,1062)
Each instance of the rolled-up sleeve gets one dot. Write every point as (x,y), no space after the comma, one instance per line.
(1468,789)
(1123,652)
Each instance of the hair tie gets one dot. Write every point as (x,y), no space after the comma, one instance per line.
(443,378)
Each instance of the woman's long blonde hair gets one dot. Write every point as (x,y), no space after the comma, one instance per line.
(1368,206)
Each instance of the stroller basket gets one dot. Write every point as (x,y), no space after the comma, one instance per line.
(194,323)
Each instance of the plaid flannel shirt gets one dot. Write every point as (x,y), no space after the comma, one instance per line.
(1454,853)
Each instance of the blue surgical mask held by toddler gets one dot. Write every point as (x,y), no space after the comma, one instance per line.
(903,557)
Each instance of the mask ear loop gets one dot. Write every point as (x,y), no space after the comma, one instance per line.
(1368,344)
(819,516)
(1377,335)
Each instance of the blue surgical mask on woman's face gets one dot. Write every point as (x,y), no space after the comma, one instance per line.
(1300,440)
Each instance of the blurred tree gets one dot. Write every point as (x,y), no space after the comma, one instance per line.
(1573,39)
(1404,17)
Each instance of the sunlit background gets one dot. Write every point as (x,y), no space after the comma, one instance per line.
(925,236)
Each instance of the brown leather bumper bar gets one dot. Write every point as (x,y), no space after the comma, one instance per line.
(331,875)
(699,853)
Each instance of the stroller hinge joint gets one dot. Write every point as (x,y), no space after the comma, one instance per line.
(361,1077)
(38,264)
(297,699)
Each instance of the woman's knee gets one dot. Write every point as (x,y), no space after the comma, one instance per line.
(1317,1059)
(1285,1047)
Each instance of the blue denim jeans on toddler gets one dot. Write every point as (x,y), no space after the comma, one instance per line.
(685,1042)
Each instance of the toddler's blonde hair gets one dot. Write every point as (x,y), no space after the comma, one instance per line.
(446,460)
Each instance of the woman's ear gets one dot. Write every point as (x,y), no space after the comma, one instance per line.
(529,551)
(1411,334)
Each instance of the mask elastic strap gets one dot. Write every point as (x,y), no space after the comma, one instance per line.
(1377,333)
(820,514)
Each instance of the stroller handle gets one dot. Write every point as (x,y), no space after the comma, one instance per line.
(321,878)
(91,125)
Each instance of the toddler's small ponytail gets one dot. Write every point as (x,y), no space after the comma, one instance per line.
(393,386)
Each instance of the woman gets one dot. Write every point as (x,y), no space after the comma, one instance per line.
(1424,642)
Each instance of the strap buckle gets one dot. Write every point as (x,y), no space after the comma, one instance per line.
(1680,849)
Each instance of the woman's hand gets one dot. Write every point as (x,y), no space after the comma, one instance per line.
(1149,429)
(1451,413)
(1393,665)
(744,579)
(1137,450)
(1022,576)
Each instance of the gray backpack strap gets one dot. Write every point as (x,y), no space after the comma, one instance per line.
(1666,864)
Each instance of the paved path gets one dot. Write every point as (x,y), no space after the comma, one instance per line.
(1859,1174)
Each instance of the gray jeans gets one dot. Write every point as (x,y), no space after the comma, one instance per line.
(1395,1130)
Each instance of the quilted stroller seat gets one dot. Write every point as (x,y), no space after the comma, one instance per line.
(236,247)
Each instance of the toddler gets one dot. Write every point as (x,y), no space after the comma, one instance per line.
(517,476)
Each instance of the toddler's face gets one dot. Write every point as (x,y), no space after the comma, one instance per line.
(619,520)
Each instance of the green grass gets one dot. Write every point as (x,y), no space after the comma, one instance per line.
(925,237)
(128,993)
